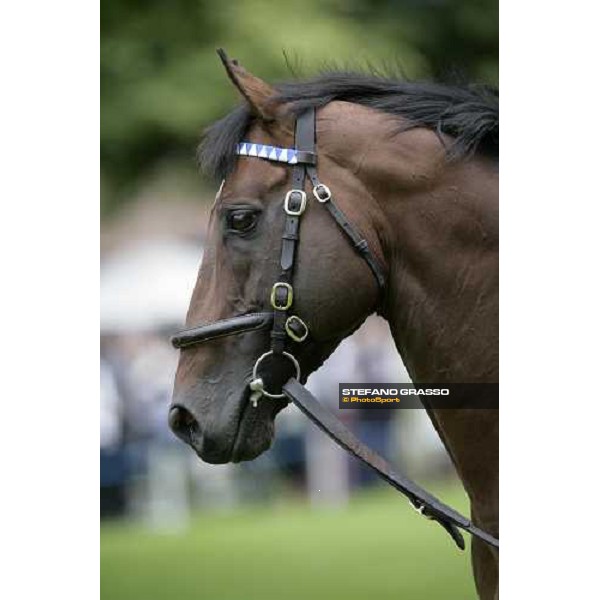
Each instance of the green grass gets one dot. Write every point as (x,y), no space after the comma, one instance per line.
(377,547)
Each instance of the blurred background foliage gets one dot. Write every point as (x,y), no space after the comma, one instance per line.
(162,83)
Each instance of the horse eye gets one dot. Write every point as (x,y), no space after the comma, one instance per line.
(241,221)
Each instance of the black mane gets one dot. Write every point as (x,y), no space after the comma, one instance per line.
(467,113)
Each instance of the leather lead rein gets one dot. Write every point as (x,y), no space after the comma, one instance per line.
(424,502)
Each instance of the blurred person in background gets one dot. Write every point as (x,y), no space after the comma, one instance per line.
(163,492)
(327,464)
(378,362)
(157,478)
(113,472)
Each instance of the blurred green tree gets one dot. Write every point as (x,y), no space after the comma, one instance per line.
(161,82)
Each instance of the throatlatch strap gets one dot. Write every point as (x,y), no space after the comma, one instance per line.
(359,243)
(427,504)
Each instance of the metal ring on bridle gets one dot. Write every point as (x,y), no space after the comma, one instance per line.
(261,358)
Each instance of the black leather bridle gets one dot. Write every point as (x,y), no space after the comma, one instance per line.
(286,327)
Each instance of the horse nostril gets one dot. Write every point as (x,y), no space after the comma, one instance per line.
(183,424)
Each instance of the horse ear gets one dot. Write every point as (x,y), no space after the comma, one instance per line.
(256,92)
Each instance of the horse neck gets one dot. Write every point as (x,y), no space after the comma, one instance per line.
(442,296)
(442,305)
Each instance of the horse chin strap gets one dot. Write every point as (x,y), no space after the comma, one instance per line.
(287,327)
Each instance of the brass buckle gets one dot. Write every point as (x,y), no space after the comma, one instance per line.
(290,331)
(322,193)
(289,296)
(286,203)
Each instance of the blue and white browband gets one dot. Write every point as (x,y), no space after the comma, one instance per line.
(284,155)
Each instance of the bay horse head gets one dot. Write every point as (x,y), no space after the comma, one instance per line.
(401,203)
